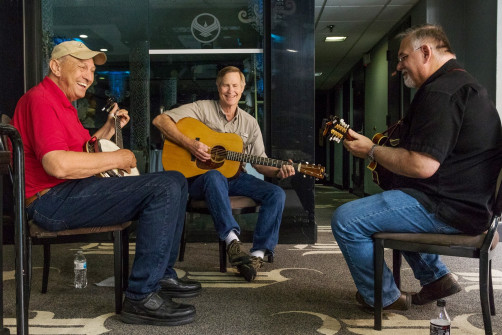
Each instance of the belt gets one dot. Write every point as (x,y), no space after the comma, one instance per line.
(29,200)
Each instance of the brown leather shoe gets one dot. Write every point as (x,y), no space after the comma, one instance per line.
(443,287)
(403,303)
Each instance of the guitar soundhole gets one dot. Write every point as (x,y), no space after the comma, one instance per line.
(218,154)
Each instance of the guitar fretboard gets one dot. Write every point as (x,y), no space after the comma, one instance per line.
(241,157)
(118,133)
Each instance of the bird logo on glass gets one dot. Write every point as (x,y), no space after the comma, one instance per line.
(205,28)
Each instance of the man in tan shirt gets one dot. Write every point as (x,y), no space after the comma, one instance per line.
(225,116)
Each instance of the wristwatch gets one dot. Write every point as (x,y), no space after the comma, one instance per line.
(371,153)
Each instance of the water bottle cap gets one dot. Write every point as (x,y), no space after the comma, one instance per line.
(441,302)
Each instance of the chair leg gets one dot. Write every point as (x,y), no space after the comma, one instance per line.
(125,259)
(223,256)
(378,249)
(47,266)
(484,265)
(29,269)
(397,261)
(181,256)
(490,287)
(118,263)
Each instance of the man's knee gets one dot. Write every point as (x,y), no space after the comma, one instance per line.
(279,194)
(212,177)
(340,217)
(276,194)
(172,182)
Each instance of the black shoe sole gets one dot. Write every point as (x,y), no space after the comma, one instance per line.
(248,272)
(145,320)
(188,294)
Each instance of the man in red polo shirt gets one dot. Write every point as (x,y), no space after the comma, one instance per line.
(63,191)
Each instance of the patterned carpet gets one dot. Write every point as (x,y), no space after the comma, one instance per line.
(307,290)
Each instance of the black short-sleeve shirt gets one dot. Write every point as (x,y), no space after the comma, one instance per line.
(452,119)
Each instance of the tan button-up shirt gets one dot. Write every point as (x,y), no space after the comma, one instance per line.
(210,113)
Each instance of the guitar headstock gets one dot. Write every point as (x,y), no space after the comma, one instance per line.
(313,170)
(335,128)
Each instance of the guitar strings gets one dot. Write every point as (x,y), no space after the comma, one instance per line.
(225,153)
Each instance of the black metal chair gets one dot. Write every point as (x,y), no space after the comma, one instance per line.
(239,204)
(116,234)
(480,246)
(12,184)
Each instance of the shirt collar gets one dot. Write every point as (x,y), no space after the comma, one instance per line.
(57,92)
(447,67)
(223,116)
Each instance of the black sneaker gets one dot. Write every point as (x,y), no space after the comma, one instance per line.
(235,255)
(153,310)
(179,288)
(249,270)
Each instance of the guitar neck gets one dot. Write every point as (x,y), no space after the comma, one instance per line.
(241,157)
(118,133)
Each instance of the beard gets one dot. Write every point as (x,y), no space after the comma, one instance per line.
(408,81)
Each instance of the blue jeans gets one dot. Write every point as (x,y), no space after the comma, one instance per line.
(215,189)
(354,223)
(156,200)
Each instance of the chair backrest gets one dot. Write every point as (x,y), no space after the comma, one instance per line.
(7,188)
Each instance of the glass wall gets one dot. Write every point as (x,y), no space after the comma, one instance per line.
(160,53)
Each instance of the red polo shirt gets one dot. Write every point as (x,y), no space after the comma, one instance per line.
(47,121)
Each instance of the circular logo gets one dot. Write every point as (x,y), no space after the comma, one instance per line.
(205,28)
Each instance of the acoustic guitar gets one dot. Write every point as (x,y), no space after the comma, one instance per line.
(226,151)
(337,130)
(104,145)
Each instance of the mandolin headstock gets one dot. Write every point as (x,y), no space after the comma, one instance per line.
(336,129)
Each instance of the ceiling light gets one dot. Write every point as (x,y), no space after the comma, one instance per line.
(335,38)
(291,50)
(104,50)
(83,36)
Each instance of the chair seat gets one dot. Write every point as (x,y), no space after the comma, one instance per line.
(474,241)
(39,232)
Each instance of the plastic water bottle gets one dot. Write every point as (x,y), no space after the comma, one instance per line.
(80,270)
(440,323)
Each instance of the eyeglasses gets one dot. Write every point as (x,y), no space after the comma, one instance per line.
(403,57)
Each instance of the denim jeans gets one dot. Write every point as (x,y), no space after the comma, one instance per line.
(215,189)
(354,223)
(156,200)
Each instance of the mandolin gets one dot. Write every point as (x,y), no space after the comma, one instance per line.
(226,151)
(337,130)
(104,145)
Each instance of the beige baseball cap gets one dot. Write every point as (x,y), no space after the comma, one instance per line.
(78,50)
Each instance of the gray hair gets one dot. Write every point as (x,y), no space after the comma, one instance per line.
(430,33)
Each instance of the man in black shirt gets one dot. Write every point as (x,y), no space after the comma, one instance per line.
(444,171)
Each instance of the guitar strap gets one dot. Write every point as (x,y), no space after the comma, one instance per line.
(390,131)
